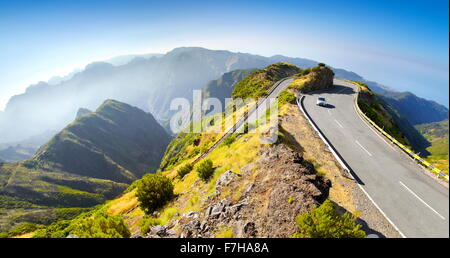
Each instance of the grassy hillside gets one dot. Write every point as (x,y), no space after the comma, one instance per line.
(272,184)
(416,110)
(389,118)
(223,87)
(437,134)
(258,83)
(319,77)
(92,160)
(117,142)
(370,105)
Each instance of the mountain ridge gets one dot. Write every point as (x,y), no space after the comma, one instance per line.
(148,83)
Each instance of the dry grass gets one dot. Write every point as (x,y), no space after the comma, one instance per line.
(192,192)
(26,235)
(124,204)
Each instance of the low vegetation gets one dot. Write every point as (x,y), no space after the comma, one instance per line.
(101,226)
(258,83)
(147,222)
(153,191)
(315,78)
(285,97)
(96,223)
(325,222)
(437,134)
(371,106)
(205,169)
(184,170)
(20,229)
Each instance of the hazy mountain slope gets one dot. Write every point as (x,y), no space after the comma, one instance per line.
(117,142)
(416,110)
(385,116)
(222,87)
(146,81)
(21,150)
(16,153)
(87,163)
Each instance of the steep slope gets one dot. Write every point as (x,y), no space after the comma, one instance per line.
(259,82)
(92,160)
(147,83)
(416,110)
(437,134)
(118,142)
(222,87)
(317,78)
(387,117)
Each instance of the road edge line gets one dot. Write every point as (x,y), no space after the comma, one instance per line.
(342,163)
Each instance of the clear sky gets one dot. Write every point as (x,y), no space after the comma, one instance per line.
(402,44)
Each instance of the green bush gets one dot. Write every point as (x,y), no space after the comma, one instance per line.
(147,222)
(230,139)
(286,97)
(205,169)
(154,190)
(20,229)
(59,229)
(102,226)
(325,222)
(321,64)
(184,170)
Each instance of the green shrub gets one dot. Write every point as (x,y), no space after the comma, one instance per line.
(194,152)
(59,229)
(230,139)
(147,222)
(154,190)
(102,226)
(321,64)
(286,97)
(184,170)
(205,169)
(20,229)
(325,222)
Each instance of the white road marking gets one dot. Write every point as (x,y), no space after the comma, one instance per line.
(363,148)
(338,123)
(442,217)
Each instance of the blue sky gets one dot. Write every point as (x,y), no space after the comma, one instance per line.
(402,44)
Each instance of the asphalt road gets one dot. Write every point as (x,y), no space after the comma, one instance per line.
(414,202)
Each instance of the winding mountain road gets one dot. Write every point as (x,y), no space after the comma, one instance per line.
(416,204)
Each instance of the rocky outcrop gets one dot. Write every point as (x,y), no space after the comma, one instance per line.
(320,78)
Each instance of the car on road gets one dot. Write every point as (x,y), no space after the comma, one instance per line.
(321,102)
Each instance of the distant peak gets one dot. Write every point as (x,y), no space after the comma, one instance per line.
(82,112)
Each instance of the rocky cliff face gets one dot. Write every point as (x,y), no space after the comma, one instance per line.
(277,187)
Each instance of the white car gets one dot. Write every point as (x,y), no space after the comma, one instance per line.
(321,102)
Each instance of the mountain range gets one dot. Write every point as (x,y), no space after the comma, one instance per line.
(150,82)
